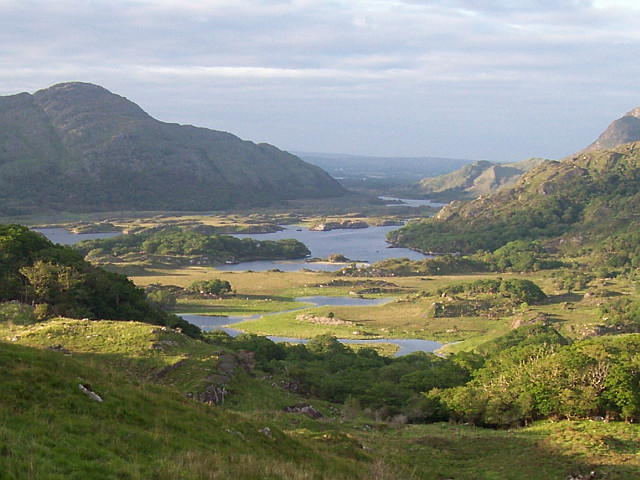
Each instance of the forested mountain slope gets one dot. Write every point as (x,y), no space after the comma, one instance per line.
(76,146)
(589,193)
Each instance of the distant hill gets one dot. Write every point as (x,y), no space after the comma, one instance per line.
(588,194)
(360,171)
(623,130)
(78,147)
(473,180)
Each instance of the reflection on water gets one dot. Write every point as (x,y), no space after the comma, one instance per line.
(411,202)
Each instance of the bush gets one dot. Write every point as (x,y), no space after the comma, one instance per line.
(211,287)
(17,313)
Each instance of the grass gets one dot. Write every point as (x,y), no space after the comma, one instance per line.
(146,427)
(142,429)
(51,430)
(261,293)
(238,306)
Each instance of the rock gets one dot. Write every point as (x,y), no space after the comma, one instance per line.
(169,368)
(59,348)
(213,395)
(347,224)
(162,344)
(267,432)
(86,389)
(304,409)
(529,318)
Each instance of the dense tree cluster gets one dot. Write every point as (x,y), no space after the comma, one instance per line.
(57,281)
(518,290)
(530,373)
(516,256)
(548,378)
(211,287)
(327,369)
(179,242)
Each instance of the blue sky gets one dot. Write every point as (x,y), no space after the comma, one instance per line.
(498,80)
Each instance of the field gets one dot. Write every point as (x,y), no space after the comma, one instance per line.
(405,316)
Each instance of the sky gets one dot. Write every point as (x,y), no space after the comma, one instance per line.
(500,80)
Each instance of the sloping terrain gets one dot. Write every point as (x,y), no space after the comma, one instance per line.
(78,147)
(589,193)
(473,180)
(623,130)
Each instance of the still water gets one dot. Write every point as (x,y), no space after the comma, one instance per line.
(366,245)
(209,323)
(65,237)
(410,202)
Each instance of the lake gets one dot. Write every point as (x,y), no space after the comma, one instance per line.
(366,245)
(411,202)
(65,237)
(407,345)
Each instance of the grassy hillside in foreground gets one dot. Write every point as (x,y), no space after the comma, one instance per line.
(146,428)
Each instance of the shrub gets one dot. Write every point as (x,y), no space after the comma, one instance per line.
(17,313)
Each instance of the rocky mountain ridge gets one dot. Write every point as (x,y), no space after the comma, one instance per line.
(590,194)
(623,130)
(473,180)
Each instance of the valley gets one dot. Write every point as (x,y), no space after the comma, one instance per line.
(309,331)
(371,424)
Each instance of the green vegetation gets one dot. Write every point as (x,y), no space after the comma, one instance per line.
(190,246)
(211,287)
(517,256)
(546,349)
(146,427)
(58,281)
(590,195)
(596,377)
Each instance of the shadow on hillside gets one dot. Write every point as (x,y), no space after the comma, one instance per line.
(484,453)
(570,297)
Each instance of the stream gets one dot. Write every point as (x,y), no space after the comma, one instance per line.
(407,345)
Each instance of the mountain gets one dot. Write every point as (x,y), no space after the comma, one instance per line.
(586,195)
(473,180)
(77,146)
(623,130)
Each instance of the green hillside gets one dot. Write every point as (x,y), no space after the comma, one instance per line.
(78,147)
(589,194)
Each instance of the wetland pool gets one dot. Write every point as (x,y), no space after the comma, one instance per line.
(406,345)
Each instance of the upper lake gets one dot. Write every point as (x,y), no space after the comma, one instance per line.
(362,244)
(365,245)
(65,237)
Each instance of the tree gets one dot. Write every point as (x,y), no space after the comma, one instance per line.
(212,287)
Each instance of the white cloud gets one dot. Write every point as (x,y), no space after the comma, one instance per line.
(404,74)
